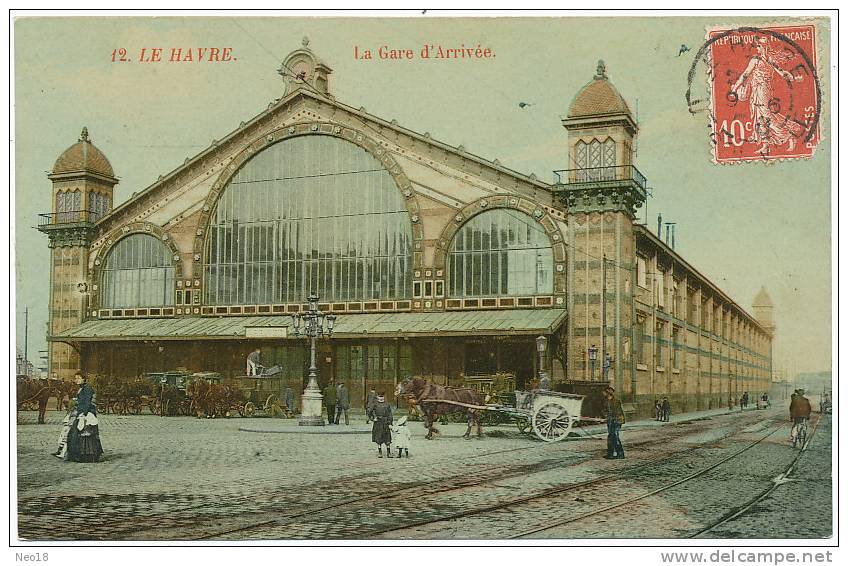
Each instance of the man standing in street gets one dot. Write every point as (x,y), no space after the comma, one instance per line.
(666,409)
(369,405)
(330,402)
(342,403)
(615,418)
(381,432)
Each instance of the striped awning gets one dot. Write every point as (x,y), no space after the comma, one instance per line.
(494,322)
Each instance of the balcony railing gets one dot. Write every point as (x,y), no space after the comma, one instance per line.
(69,217)
(594,175)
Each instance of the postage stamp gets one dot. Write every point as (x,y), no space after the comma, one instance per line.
(765,93)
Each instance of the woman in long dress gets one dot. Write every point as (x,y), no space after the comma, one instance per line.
(83,443)
(770,127)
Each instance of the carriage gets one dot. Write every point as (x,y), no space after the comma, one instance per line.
(254,393)
(549,415)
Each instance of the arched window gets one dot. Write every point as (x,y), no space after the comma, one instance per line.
(138,272)
(580,158)
(309,214)
(98,206)
(68,206)
(500,252)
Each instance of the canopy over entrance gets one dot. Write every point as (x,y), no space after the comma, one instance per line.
(451,323)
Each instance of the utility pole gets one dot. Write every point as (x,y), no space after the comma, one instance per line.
(26,335)
(603,312)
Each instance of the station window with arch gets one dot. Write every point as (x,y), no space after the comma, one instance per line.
(500,252)
(68,206)
(313,213)
(595,160)
(138,272)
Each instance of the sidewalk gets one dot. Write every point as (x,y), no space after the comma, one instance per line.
(593,430)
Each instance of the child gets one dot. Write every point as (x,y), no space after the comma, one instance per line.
(66,427)
(402,437)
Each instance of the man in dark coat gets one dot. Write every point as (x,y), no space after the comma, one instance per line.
(666,409)
(369,405)
(615,418)
(342,402)
(289,399)
(381,432)
(799,409)
(330,402)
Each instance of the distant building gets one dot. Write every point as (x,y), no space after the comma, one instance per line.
(437,262)
(24,367)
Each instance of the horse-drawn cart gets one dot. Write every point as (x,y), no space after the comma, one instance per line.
(549,415)
(260,393)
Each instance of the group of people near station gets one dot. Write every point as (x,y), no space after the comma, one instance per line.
(662,410)
(377,411)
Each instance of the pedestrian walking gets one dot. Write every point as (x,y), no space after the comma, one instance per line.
(402,436)
(342,403)
(369,405)
(83,439)
(666,409)
(288,395)
(745,400)
(657,410)
(615,418)
(381,432)
(330,402)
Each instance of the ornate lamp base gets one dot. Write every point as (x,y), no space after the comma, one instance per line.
(310,414)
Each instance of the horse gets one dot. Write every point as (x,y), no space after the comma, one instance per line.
(437,400)
(35,390)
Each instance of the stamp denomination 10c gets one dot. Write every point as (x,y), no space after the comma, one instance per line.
(765,93)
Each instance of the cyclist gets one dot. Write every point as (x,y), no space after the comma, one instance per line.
(799,412)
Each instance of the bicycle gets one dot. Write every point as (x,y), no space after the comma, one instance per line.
(800,430)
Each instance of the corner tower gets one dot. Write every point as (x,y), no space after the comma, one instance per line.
(601,190)
(83,189)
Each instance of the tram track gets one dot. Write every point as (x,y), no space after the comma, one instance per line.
(776,483)
(409,491)
(571,489)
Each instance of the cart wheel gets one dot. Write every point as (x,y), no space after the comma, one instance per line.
(551,421)
(271,401)
(523,424)
(249,409)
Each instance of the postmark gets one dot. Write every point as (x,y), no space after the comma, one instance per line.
(764,92)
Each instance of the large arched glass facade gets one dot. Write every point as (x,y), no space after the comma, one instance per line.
(500,252)
(138,272)
(312,213)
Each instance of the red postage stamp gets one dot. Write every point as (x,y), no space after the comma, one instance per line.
(765,93)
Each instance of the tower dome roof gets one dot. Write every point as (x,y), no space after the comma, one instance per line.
(83,157)
(762,299)
(598,97)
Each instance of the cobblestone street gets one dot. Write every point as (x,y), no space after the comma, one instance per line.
(188,479)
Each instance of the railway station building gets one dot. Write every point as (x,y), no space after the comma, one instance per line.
(437,262)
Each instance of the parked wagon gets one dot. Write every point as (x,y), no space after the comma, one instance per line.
(259,393)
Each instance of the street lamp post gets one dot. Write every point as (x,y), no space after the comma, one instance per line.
(541,347)
(314,327)
(593,357)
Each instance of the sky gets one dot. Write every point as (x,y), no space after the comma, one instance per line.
(743,226)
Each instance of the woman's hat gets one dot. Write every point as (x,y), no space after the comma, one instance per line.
(402,421)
